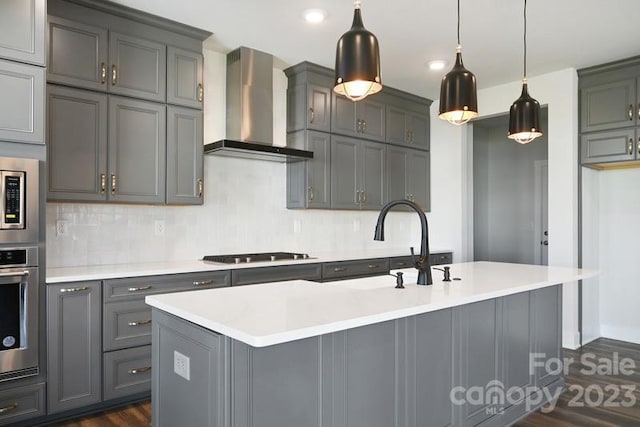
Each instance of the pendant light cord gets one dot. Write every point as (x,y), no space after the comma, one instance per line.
(459,22)
(525,39)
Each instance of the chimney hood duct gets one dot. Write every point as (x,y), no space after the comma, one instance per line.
(250,111)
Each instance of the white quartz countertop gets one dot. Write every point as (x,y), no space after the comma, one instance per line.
(115,271)
(273,313)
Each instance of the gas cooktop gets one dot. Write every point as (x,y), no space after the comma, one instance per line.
(260,257)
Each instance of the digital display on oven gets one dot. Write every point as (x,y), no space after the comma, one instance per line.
(13,257)
(12,202)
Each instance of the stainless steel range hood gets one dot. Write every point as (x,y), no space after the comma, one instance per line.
(250,111)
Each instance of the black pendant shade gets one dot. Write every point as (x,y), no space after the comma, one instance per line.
(458,94)
(357,61)
(524,118)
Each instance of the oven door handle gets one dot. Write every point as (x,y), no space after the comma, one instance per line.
(24,273)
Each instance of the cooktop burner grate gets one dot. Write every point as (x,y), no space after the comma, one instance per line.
(260,257)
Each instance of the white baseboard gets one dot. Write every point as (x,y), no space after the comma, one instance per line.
(571,340)
(621,333)
(586,339)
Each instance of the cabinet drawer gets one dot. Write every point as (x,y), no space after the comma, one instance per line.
(363,267)
(138,287)
(249,276)
(126,324)
(400,262)
(441,258)
(21,403)
(127,372)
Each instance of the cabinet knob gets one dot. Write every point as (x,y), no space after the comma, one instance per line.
(312,115)
(200,188)
(103,73)
(114,75)
(113,184)
(103,183)
(200,92)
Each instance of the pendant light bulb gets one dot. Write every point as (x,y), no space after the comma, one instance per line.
(458,90)
(357,61)
(524,114)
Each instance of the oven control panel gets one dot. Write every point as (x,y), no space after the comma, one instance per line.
(12,199)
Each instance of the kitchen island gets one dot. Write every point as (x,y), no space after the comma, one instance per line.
(360,352)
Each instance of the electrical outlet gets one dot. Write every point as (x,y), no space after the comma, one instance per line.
(159,227)
(62,227)
(181,365)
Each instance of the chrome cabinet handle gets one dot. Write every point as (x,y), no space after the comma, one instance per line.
(113,184)
(638,145)
(139,370)
(339,269)
(140,288)
(114,75)
(372,266)
(630,146)
(412,137)
(312,115)
(364,126)
(140,322)
(8,408)
(103,183)
(630,112)
(358,198)
(359,126)
(401,264)
(200,92)
(202,282)
(364,197)
(71,290)
(311,195)
(638,111)
(200,188)
(103,73)
(408,137)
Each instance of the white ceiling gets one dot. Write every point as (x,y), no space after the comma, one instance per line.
(561,33)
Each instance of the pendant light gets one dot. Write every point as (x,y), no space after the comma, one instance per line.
(524,115)
(458,93)
(357,61)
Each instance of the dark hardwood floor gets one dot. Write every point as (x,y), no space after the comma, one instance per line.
(567,412)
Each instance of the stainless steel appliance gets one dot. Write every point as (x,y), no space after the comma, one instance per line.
(19,279)
(19,272)
(259,257)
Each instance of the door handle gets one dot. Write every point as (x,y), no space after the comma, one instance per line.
(113,184)
(140,288)
(364,126)
(339,269)
(200,92)
(544,242)
(103,73)
(8,408)
(103,183)
(202,282)
(630,112)
(114,75)
(630,146)
(139,370)
(72,290)
(359,126)
(140,322)
(312,115)
(200,188)
(311,195)
(638,145)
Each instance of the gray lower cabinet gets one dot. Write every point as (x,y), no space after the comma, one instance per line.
(185,164)
(356,268)
(609,146)
(137,151)
(184,78)
(126,324)
(546,305)
(77,144)
(127,372)
(435,258)
(309,182)
(408,175)
(74,350)
(22,24)
(357,174)
(78,54)
(22,102)
(362,119)
(22,403)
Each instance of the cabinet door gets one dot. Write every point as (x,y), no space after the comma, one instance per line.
(345,165)
(547,314)
(21,102)
(419,128)
(77,144)
(343,116)
(608,105)
(184,78)
(319,107)
(608,146)
(138,67)
(372,117)
(372,176)
(137,150)
(22,25)
(396,173)
(397,132)
(419,178)
(77,54)
(185,175)
(319,170)
(74,352)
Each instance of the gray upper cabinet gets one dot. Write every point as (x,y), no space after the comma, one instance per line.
(609,104)
(21,103)
(77,144)
(408,175)
(73,345)
(78,54)
(137,150)
(357,174)
(138,67)
(184,78)
(309,182)
(22,34)
(363,119)
(609,146)
(407,123)
(185,169)
(309,96)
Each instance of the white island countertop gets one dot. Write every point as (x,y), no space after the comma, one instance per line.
(274,313)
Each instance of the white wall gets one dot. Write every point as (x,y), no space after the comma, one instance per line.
(591,206)
(244,208)
(559,91)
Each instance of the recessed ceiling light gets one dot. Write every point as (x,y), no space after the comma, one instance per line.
(314,16)
(437,65)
